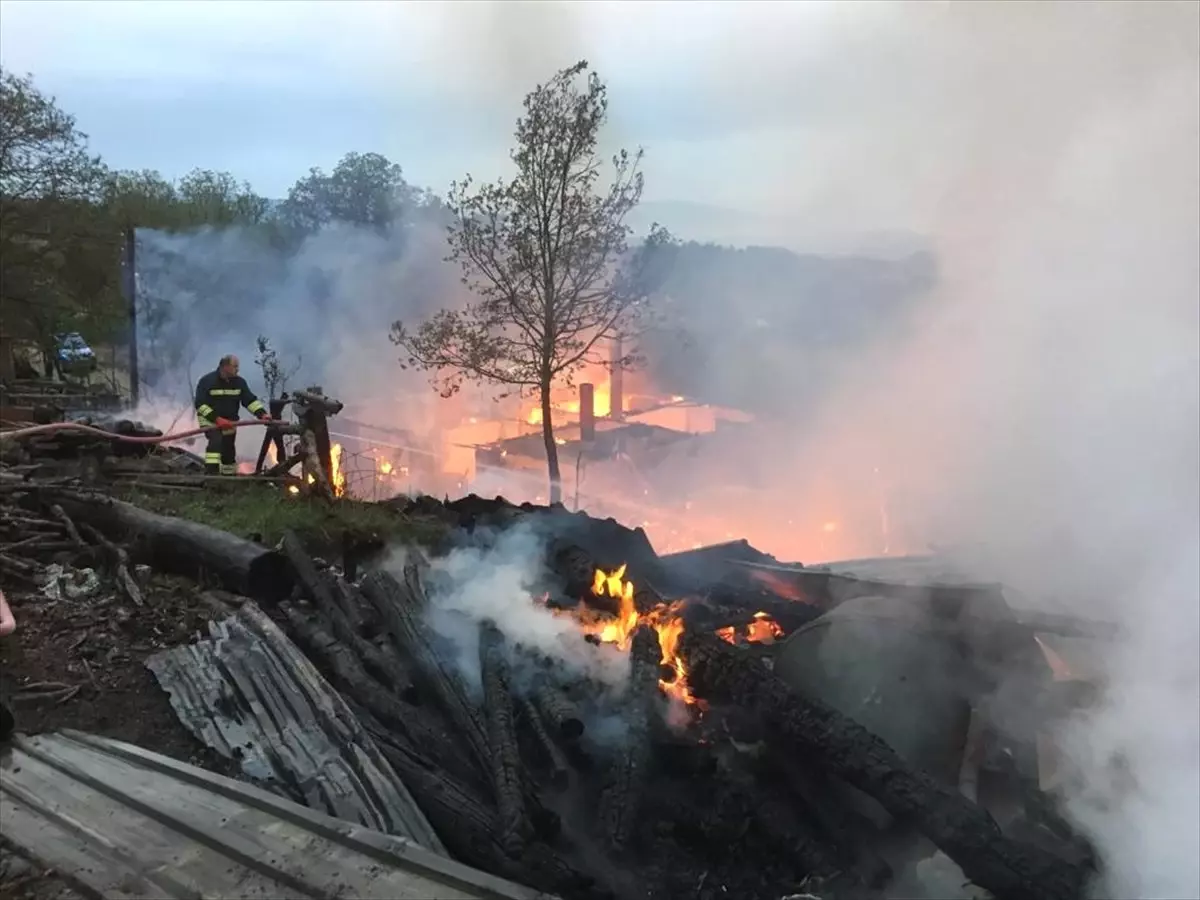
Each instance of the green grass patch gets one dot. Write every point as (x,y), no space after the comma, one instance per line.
(247,509)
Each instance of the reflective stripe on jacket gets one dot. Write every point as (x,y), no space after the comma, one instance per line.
(217,398)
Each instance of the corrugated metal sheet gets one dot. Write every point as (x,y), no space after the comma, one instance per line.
(250,694)
(128,823)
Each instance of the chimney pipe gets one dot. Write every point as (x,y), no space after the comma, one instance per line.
(616,384)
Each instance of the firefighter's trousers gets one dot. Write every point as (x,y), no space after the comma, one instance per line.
(220,457)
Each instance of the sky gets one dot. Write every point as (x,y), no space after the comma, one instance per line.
(811,123)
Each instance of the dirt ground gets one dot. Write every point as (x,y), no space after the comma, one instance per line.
(79,663)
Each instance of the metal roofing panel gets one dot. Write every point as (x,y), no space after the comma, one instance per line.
(252,696)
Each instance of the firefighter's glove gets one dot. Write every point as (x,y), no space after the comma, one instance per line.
(224,423)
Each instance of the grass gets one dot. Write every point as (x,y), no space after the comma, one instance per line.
(249,509)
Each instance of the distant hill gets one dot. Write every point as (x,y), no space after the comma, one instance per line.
(762,328)
(708,223)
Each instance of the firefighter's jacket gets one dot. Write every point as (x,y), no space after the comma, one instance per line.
(217,398)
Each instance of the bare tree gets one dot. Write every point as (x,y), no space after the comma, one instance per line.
(545,255)
(275,374)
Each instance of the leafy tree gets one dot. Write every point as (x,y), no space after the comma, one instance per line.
(364,189)
(48,182)
(544,254)
(216,198)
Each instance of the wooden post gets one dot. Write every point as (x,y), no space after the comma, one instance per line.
(129,289)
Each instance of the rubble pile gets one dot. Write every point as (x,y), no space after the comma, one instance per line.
(717,762)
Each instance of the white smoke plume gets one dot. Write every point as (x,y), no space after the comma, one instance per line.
(1045,407)
(494,582)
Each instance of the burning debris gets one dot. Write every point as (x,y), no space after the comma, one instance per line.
(567,709)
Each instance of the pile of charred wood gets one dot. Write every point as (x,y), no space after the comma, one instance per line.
(530,770)
(702,773)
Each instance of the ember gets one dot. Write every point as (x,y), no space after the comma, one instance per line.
(762,629)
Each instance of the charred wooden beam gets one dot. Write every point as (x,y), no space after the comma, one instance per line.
(337,607)
(502,740)
(468,824)
(558,711)
(312,632)
(402,609)
(242,566)
(964,831)
(841,827)
(620,803)
(553,760)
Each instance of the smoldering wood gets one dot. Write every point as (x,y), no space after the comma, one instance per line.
(241,566)
(502,741)
(559,711)
(553,760)
(961,829)
(468,824)
(620,803)
(700,821)
(336,607)
(402,607)
(841,826)
(312,632)
(778,825)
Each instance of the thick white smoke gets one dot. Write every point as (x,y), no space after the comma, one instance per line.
(494,583)
(1047,410)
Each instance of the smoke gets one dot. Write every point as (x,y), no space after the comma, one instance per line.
(493,580)
(1044,406)
(326,308)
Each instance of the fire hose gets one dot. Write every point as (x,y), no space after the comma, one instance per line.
(52,427)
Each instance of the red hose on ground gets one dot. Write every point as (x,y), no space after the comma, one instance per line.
(129,439)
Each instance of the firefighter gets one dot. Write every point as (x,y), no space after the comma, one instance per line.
(219,398)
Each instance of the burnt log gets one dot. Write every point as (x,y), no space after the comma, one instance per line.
(842,827)
(350,677)
(175,544)
(401,607)
(554,762)
(339,608)
(777,825)
(620,803)
(468,825)
(706,823)
(502,740)
(557,710)
(962,830)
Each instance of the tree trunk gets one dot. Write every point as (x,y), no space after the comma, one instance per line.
(551,446)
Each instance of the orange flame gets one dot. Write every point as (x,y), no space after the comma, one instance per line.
(339,475)
(664,619)
(762,629)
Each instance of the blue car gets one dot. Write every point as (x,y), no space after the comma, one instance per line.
(75,357)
